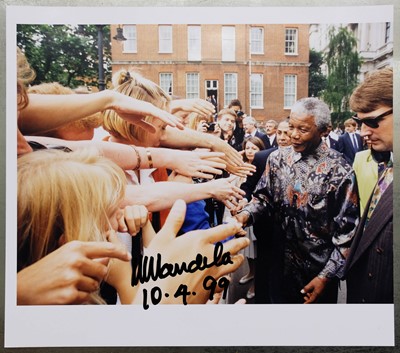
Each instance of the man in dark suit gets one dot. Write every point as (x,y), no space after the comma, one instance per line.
(330,138)
(369,266)
(267,259)
(250,129)
(350,142)
(270,130)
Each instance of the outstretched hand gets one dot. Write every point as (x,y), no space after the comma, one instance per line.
(186,248)
(183,107)
(68,275)
(199,164)
(134,111)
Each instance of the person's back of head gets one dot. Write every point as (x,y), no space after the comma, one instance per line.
(25,75)
(82,129)
(235,103)
(134,85)
(64,197)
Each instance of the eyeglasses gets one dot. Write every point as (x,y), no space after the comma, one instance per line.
(372,122)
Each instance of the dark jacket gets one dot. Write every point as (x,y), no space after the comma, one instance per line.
(345,146)
(369,266)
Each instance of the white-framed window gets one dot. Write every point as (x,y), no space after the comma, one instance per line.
(166,82)
(194,43)
(230,88)
(291,39)
(257,40)
(130,44)
(192,85)
(289,88)
(256,91)
(165,39)
(228,43)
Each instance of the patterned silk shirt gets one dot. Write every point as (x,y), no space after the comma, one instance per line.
(313,200)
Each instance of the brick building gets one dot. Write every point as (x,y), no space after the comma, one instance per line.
(265,66)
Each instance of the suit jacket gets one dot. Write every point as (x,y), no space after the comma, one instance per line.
(369,266)
(264,139)
(274,143)
(267,259)
(345,146)
(259,161)
(333,143)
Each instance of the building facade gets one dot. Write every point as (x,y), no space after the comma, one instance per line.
(264,66)
(374,43)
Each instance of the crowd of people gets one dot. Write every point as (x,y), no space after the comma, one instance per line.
(177,196)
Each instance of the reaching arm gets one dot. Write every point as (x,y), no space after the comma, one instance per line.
(187,248)
(162,195)
(46,112)
(183,107)
(189,138)
(188,163)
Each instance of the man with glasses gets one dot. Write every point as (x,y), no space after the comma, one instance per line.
(309,192)
(369,267)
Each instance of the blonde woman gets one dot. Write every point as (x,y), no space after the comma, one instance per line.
(54,192)
(136,86)
(43,112)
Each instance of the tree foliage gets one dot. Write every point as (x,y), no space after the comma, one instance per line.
(63,53)
(316,79)
(343,64)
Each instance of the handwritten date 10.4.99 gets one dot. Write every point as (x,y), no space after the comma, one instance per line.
(209,283)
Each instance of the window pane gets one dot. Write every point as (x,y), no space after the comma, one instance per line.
(165,39)
(230,84)
(194,43)
(257,40)
(166,82)
(130,44)
(192,85)
(289,90)
(256,91)
(291,41)
(228,43)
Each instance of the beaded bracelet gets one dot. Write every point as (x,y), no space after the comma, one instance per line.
(139,159)
(149,158)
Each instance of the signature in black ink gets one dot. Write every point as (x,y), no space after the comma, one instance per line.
(146,268)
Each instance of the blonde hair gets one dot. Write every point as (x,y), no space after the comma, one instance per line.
(195,118)
(70,194)
(134,85)
(90,122)
(226,111)
(25,75)
(350,122)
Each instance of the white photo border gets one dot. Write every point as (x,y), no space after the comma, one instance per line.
(170,325)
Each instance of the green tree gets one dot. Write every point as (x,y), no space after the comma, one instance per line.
(343,64)
(316,79)
(63,53)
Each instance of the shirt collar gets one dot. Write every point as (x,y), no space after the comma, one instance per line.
(321,150)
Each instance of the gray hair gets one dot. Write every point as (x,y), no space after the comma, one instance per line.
(250,120)
(316,108)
